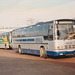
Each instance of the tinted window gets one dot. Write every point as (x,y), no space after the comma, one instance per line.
(50,36)
(36,30)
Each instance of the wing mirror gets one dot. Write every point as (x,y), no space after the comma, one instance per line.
(50,27)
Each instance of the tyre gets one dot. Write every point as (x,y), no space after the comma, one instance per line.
(20,50)
(43,52)
(5,46)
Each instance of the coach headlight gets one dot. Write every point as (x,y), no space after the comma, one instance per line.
(60,47)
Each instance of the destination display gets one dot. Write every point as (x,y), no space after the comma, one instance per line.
(65,22)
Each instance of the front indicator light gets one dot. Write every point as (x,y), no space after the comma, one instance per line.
(47,47)
(58,47)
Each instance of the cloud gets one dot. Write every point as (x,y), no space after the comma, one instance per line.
(31,4)
(34,4)
(19,15)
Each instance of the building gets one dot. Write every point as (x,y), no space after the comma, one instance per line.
(7,29)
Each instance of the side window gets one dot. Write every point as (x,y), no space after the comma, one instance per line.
(17,33)
(13,34)
(39,30)
(50,34)
(23,32)
(30,31)
(45,29)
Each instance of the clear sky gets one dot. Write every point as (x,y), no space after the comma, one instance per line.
(24,12)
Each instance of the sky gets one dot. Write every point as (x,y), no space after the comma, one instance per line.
(22,13)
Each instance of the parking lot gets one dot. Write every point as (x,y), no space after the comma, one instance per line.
(12,63)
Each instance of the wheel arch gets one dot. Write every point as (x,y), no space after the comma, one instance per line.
(19,46)
(42,46)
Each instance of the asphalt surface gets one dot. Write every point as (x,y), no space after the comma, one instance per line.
(12,63)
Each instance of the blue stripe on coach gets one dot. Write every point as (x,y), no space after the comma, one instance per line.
(37,52)
(24,40)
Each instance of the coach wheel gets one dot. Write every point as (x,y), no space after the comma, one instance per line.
(20,50)
(43,52)
(5,46)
